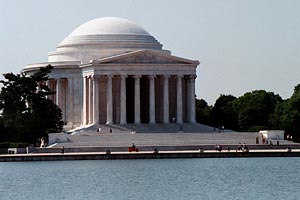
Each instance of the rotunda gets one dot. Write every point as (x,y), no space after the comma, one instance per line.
(101,38)
(110,70)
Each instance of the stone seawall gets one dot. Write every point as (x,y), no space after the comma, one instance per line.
(161,148)
(141,155)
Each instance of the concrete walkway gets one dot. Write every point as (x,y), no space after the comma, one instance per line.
(146,155)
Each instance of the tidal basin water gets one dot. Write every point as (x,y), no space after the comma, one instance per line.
(227,178)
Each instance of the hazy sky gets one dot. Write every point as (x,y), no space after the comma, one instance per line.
(243,45)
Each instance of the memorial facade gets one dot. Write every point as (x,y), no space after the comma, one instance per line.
(111,71)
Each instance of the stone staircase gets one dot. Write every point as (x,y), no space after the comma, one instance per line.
(173,128)
(91,141)
(146,128)
(150,136)
(92,130)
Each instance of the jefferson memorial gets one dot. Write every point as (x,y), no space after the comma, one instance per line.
(112,71)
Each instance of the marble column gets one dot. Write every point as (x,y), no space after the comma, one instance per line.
(152,99)
(53,89)
(192,99)
(187,99)
(90,116)
(137,99)
(70,104)
(179,99)
(109,101)
(53,85)
(123,119)
(60,96)
(96,99)
(48,85)
(78,100)
(84,103)
(166,99)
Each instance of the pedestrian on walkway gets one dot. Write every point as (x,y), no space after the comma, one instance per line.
(239,147)
(228,148)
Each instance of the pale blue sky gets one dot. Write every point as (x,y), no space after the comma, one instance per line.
(242,45)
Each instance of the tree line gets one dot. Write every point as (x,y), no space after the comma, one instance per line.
(252,111)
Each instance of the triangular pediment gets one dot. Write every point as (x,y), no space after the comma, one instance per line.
(145,57)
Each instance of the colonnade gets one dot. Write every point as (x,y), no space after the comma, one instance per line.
(59,98)
(91,99)
(84,102)
(64,99)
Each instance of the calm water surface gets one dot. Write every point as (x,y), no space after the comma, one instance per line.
(241,178)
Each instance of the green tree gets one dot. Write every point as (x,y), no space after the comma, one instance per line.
(203,111)
(290,112)
(256,110)
(26,113)
(223,112)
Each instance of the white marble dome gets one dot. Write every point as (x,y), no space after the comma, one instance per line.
(103,37)
(109,25)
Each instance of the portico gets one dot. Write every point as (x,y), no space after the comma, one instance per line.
(143,93)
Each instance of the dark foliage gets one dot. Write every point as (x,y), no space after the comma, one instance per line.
(289,112)
(203,111)
(26,112)
(253,111)
(223,113)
